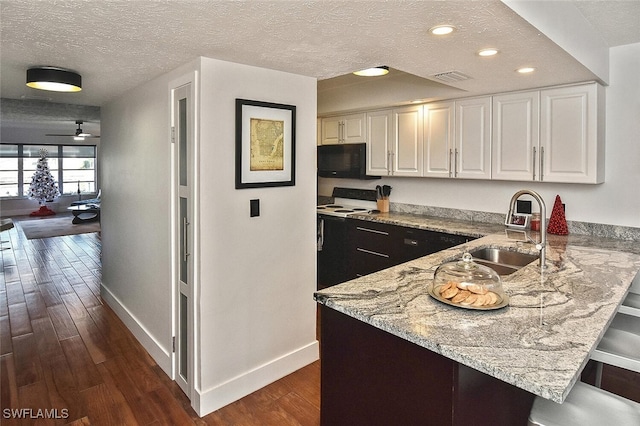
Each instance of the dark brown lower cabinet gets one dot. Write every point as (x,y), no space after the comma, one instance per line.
(371,377)
(374,246)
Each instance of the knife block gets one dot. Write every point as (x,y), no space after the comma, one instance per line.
(383,205)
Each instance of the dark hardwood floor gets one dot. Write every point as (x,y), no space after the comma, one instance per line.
(64,352)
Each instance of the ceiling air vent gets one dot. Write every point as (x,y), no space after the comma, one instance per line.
(451,76)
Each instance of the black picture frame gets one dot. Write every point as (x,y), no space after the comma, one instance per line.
(518,220)
(265,144)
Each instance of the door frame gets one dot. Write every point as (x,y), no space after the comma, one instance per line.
(193,362)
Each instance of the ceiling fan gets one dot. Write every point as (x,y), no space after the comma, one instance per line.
(79,134)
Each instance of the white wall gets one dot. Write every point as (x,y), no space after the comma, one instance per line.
(136,212)
(255,308)
(615,202)
(258,274)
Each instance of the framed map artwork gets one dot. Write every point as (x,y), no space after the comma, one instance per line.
(265,144)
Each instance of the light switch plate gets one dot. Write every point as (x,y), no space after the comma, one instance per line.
(254,208)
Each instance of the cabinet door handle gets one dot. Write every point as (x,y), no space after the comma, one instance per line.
(185,253)
(341,132)
(450,155)
(375,253)
(541,163)
(534,163)
(375,231)
(388,162)
(455,164)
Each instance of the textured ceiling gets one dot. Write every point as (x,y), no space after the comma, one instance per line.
(118,44)
(618,22)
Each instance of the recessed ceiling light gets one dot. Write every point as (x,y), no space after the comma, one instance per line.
(525,70)
(442,29)
(490,51)
(373,72)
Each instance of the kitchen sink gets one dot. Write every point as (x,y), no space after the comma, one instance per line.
(504,262)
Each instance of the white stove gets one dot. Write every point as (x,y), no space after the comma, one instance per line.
(349,201)
(344,208)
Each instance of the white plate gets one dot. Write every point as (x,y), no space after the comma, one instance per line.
(500,304)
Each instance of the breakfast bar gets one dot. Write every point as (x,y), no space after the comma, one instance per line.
(391,352)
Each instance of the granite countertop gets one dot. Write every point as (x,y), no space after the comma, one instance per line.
(540,342)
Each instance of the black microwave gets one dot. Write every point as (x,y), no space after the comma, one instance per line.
(343,161)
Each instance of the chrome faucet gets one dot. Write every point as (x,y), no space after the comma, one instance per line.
(542,245)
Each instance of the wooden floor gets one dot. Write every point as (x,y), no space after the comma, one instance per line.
(64,352)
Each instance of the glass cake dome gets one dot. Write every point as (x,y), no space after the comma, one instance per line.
(466,284)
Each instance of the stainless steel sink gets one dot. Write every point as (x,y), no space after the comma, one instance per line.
(504,262)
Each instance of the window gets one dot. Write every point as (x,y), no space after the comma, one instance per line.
(79,169)
(73,166)
(9,171)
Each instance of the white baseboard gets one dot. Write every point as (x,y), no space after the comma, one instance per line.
(210,400)
(160,356)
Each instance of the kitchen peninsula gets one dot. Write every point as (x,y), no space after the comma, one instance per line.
(392,354)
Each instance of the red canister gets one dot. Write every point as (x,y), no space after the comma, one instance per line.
(535,222)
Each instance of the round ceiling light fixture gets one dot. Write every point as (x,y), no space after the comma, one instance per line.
(489,51)
(373,72)
(54,79)
(442,29)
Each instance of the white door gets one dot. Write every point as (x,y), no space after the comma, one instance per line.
(407,141)
(472,152)
(379,142)
(438,139)
(354,128)
(331,130)
(515,142)
(183,145)
(568,134)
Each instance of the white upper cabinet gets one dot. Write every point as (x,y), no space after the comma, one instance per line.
(394,146)
(551,135)
(379,145)
(458,139)
(572,134)
(406,157)
(547,135)
(515,141)
(344,129)
(438,139)
(472,148)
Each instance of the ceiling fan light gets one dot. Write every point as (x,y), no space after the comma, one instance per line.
(373,72)
(54,79)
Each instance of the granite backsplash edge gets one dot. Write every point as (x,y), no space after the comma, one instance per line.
(576,228)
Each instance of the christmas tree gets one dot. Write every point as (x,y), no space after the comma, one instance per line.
(43,186)
(557,221)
